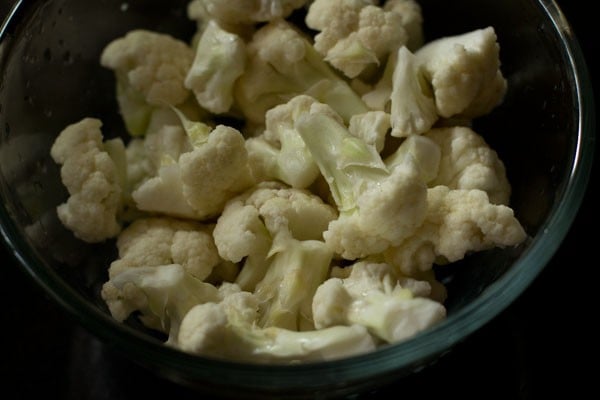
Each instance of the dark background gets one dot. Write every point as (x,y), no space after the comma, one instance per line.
(544,344)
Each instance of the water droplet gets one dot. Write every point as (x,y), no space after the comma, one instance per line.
(124,7)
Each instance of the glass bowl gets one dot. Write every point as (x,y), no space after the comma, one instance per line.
(50,76)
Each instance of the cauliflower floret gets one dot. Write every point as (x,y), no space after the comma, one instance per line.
(283,64)
(199,182)
(228,330)
(220,60)
(412,20)
(151,242)
(378,207)
(467,162)
(457,222)
(355,34)
(455,76)
(234,12)
(279,153)
(284,257)
(162,295)
(92,180)
(412,107)
(150,70)
(372,296)
(464,72)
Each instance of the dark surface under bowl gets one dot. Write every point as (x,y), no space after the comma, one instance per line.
(50,77)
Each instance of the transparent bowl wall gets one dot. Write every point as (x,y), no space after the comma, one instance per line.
(50,77)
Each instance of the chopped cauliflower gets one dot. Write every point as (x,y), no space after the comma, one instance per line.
(372,127)
(162,295)
(412,20)
(228,330)
(378,207)
(354,34)
(282,64)
(154,241)
(457,222)
(464,72)
(242,12)
(198,183)
(468,162)
(289,175)
(284,258)
(92,179)
(279,153)
(150,70)
(220,59)
(372,296)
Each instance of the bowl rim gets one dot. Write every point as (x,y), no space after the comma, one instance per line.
(388,359)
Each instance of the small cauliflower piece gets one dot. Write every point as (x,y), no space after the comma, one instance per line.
(412,107)
(284,256)
(92,179)
(412,20)
(378,207)
(355,34)
(155,241)
(372,127)
(282,65)
(454,76)
(279,153)
(199,182)
(425,153)
(464,72)
(373,297)
(244,12)
(220,60)
(468,162)
(458,222)
(162,295)
(228,330)
(150,70)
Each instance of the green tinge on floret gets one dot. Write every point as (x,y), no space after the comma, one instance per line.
(228,330)
(379,206)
